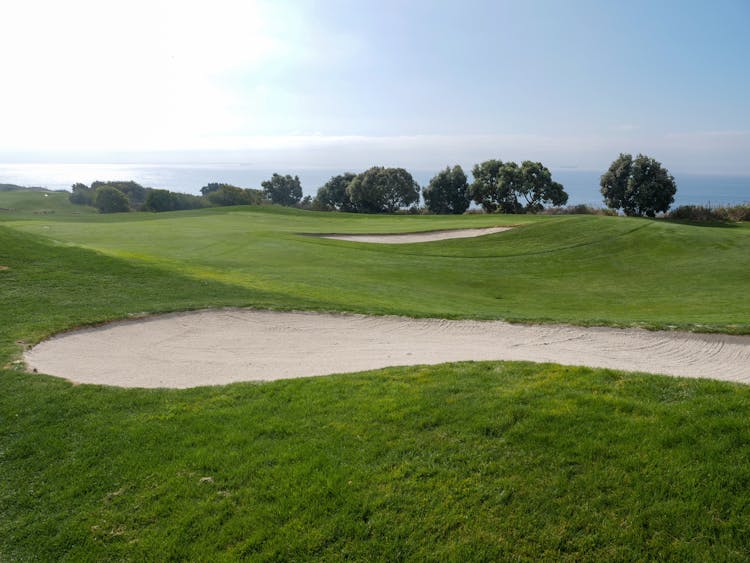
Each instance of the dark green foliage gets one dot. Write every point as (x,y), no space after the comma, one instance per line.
(383,190)
(639,187)
(227,194)
(164,200)
(160,200)
(485,189)
(332,196)
(135,193)
(283,190)
(110,200)
(82,194)
(305,203)
(703,213)
(448,192)
(578,209)
(212,187)
(509,188)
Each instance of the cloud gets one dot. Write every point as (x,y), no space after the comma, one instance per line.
(89,73)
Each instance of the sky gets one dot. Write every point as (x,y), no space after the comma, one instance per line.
(352,84)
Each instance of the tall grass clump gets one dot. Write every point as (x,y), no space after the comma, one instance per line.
(579,209)
(707,213)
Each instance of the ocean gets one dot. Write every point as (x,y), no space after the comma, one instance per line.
(581,185)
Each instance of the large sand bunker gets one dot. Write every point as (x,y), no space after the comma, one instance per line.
(224,346)
(428,236)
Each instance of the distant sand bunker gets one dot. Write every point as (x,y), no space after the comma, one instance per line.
(429,236)
(224,346)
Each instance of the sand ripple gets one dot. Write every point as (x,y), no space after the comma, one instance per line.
(224,346)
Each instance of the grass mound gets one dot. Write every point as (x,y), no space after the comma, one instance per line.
(475,461)
(574,269)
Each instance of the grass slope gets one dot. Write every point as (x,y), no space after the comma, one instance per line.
(585,269)
(471,461)
(457,462)
(36,201)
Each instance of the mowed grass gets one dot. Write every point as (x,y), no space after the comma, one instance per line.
(470,461)
(22,202)
(575,269)
(460,462)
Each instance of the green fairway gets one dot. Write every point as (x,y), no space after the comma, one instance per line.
(577,269)
(471,461)
(38,202)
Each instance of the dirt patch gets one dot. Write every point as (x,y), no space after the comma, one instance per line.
(223,346)
(410,238)
(3,268)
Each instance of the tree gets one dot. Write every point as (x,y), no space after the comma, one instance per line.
(333,195)
(382,190)
(164,200)
(134,192)
(160,200)
(110,200)
(212,187)
(638,187)
(485,189)
(498,186)
(81,195)
(448,192)
(283,190)
(232,195)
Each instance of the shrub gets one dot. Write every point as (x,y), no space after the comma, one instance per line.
(703,213)
(81,195)
(164,200)
(579,209)
(110,200)
(232,195)
(133,191)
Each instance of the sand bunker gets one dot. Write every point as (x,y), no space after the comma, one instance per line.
(408,238)
(224,346)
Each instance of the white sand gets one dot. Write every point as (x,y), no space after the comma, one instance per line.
(223,346)
(408,238)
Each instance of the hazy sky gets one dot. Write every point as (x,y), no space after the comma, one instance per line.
(354,83)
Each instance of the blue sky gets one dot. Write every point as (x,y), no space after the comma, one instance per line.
(352,84)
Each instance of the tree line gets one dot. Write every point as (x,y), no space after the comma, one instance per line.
(498,187)
(639,186)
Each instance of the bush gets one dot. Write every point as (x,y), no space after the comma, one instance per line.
(81,195)
(133,191)
(110,200)
(232,195)
(579,209)
(164,200)
(702,213)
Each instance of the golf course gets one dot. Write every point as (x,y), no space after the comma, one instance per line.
(466,460)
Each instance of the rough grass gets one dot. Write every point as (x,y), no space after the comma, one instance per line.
(457,462)
(470,461)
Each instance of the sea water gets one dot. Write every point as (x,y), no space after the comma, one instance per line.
(581,185)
